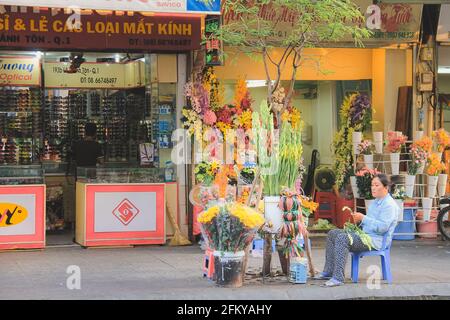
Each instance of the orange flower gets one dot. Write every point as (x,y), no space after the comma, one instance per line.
(442,139)
(425,144)
(435,166)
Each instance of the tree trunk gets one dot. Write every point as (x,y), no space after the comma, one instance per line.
(267,258)
(284,261)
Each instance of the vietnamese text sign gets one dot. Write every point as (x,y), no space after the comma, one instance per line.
(389,22)
(94,75)
(124,211)
(169,6)
(20,71)
(100,32)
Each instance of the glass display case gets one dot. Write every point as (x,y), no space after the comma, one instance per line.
(107,174)
(21,175)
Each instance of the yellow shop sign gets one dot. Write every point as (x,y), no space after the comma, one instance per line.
(20,71)
(12,214)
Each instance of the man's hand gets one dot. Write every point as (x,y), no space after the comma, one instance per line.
(357,217)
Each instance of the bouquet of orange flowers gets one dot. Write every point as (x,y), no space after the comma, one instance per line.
(425,143)
(442,139)
(435,166)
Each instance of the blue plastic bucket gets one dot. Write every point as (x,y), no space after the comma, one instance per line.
(406,226)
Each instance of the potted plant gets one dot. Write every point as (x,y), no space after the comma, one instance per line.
(422,149)
(399,196)
(366,148)
(434,168)
(228,228)
(395,142)
(364,181)
(418,159)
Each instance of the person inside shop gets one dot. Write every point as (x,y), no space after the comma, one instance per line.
(88,152)
(381,218)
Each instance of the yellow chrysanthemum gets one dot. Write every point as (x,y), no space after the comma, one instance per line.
(208,215)
(248,216)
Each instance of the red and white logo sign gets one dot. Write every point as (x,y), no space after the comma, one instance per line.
(126,211)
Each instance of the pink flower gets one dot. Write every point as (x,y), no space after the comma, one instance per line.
(209,118)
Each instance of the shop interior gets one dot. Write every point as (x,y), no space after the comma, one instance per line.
(134,113)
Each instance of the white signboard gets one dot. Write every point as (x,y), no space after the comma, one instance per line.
(21,211)
(125,211)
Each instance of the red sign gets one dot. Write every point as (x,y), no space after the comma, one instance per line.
(98,32)
(126,211)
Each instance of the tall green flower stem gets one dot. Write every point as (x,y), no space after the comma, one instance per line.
(278,158)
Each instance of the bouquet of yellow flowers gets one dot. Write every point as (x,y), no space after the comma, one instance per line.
(435,166)
(229,226)
(442,139)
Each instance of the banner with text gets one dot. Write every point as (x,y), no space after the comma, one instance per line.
(24,71)
(95,75)
(166,6)
(99,32)
(390,23)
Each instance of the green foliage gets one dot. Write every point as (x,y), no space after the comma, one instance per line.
(323,224)
(279,161)
(351,228)
(314,23)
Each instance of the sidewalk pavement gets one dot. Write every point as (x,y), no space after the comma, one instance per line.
(420,268)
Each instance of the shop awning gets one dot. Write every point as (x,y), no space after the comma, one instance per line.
(166,6)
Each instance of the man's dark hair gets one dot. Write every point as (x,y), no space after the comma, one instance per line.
(90,129)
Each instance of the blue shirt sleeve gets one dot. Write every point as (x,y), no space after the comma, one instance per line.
(380,223)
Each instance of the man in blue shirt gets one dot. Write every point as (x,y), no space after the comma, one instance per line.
(381,218)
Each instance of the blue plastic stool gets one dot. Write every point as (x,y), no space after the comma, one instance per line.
(258,244)
(385,255)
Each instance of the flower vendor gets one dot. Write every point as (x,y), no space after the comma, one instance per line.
(381,218)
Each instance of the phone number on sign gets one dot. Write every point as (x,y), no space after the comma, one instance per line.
(98,80)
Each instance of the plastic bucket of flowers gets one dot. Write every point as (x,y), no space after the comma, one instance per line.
(395,142)
(435,167)
(229,228)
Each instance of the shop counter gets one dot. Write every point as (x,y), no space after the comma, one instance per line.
(112,209)
(22,207)
(120,214)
